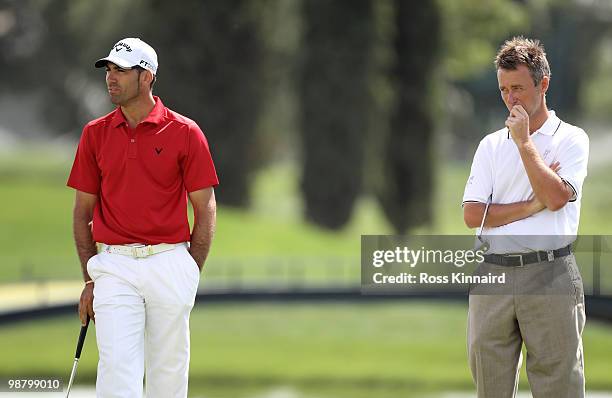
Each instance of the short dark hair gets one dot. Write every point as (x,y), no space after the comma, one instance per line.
(522,51)
(140,69)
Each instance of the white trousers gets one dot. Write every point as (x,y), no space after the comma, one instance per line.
(142,308)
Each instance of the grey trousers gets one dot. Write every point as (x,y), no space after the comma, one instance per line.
(541,305)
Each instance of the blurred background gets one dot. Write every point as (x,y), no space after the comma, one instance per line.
(327,120)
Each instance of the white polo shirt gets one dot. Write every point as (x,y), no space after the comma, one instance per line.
(498,170)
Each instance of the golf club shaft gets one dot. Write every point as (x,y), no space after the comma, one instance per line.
(74,367)
(77,355)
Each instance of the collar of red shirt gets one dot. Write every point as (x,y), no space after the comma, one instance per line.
(155,116)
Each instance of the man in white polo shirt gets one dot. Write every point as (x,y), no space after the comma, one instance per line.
(530,174)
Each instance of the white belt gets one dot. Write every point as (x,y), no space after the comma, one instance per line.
(139,251)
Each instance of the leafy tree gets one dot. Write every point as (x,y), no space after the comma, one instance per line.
(210,69)
(333,87)
(406,194)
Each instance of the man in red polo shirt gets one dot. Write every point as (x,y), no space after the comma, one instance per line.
(133,172)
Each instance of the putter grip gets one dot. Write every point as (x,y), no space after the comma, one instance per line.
(82,335)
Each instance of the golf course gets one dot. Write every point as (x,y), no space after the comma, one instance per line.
(407,348)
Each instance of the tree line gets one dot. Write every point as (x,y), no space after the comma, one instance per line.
(367,78)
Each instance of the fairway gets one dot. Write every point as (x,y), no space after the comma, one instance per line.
(405,348)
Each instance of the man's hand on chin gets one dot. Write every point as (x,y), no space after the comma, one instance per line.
(518,124)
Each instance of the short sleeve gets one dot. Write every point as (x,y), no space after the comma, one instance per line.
(198,167)
(573,159)
(85,174)
(479,185)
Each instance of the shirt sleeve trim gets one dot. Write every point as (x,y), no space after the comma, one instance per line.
(471,201)
(575,196)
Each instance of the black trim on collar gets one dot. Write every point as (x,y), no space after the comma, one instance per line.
(559,125)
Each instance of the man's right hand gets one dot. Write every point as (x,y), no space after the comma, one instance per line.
(86,304)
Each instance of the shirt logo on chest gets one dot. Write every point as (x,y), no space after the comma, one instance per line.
(159,150)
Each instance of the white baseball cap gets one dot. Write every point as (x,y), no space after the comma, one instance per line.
(131,52)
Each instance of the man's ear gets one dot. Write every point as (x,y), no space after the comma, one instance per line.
(147,77)
(544,84)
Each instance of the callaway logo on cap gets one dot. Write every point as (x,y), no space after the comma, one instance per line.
(131,52)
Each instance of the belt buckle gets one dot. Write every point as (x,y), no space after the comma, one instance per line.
(141,251)
(519,256)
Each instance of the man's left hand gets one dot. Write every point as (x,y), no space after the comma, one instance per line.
(518,124)
(198,260)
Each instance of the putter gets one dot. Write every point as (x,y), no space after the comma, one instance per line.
(484,245)
(77,355)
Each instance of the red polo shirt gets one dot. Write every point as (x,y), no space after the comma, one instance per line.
(142,175)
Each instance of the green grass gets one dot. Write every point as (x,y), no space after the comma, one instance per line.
(333,349)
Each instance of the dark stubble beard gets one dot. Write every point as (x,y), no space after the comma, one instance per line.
(120,102)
